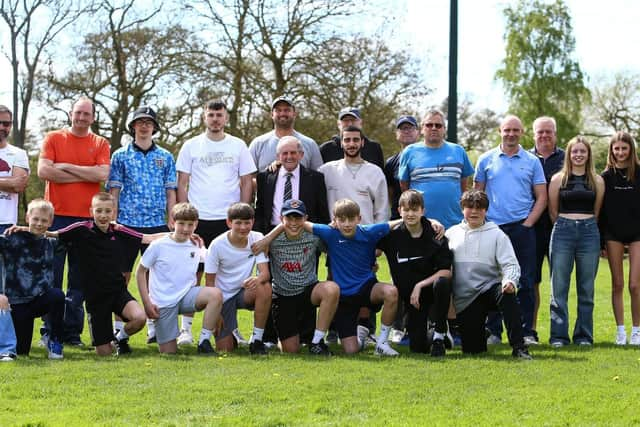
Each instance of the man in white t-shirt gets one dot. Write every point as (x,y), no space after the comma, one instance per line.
(229,267)
(172,262)
(14,172)
(215,170)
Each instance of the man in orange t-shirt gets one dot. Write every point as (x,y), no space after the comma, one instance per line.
(73,162)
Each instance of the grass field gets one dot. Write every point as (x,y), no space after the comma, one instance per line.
(568,386)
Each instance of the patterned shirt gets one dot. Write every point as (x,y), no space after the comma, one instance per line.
(143,179)
(28,265)
(293,263)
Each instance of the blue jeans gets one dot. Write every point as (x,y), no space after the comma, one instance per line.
(523,240)
(7,334)
(573,241)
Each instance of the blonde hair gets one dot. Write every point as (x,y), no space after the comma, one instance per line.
(567,167)
(184,212)
(40,204)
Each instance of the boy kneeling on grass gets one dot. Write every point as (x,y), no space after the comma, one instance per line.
(172,263)
(485,271)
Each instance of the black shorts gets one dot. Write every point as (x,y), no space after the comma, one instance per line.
(625,240)
(209,230)
(293,314)
(99,315)
(131,249)
(346,318)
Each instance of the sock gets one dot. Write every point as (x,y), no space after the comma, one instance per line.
(186,323)
(118,325)
(384,333)
(205,334)
(151,328)
(438,336)
(621,329)
(257,334)
(317,336)
(635,329)
(122,335)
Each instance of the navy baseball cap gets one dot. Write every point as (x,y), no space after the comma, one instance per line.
(406,119)
(293,206)
(349,111)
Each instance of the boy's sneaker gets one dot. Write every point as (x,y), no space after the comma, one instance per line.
(494,339)
(55,350)
(521,353)
(269,345)
(7,357)
(396,336)
(438,348)
(531,340)
(185,338)
(319,349)
(151,339)
(635,338)
(557,344)
(257,347)
(362,334)
(621,338)
(44,341)
(384,349)
(205,347)
(122,347)
(239,338)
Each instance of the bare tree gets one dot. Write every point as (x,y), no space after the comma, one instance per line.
(615,104)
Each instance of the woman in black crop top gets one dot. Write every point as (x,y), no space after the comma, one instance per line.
(620,227)
(575,198)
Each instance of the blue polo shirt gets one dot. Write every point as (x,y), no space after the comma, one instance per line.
(143,178)
(351,259)
(509,183)
(436,173)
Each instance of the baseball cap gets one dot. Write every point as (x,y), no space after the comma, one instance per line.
(349,111)
(406,119)
(282,99)
(293,206)
(144,112)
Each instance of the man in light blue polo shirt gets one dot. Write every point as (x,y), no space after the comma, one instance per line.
(438,169)
(514,181)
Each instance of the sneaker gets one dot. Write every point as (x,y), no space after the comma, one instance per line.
(122,347)
(362,334)
(531,340)
(185,338)
(55,350)
(44,341)
(635,338)
(448,341)
(396,336)
(521,353)
(151,339)
(75,342)
(7,357)
(320,349)
(494,339)
(405,340)
(269,345)
(621,338)
(557,344)
(384,349)
(332,337)
(584,344)
(206,348)
(438,348)
(257,347)
(239,338)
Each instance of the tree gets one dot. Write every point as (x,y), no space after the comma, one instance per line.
(477,129)
(538,71)
(615,104)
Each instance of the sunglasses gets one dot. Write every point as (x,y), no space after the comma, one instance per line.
(433,125)
(5,123)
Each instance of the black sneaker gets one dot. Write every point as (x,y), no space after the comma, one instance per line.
(437,348)
(332,337)
(206,348)
(122,347)
(152,339)
(320,349)
(521,353)
(257,347)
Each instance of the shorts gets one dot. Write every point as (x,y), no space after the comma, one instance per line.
(99,315)
(346,318)
(293,314)
(625,240)
(167,324)
(229,310)
(209,230)
(130,248)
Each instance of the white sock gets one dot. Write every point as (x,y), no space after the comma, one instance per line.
(317,336)
(621,329)
(122,335)
(635,329)
(384,333)
(151,328)
(438,336)
(118,325)
(257,334)
(205,334)
(186,323)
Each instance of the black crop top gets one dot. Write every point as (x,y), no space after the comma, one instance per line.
(576,197)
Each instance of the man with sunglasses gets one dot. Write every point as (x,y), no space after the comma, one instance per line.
(14,172)
(438,169)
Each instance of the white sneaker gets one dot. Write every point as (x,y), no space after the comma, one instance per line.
(396,336)
(494,339)
(384,349)
(530,340)
(362,334)
(621,338)
(557,344)
(239,338)
(7,358)
(185,338)
(635,338)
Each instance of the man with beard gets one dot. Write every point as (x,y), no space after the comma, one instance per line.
(14,172)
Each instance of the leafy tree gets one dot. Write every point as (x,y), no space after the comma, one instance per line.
(476,127)
(538,71)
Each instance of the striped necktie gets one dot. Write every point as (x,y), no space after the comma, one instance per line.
(288,191)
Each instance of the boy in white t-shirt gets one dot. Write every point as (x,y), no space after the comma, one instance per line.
(229,267)
(172,263)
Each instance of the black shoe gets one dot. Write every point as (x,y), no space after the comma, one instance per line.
(521,353)
(152,339)
(122,347)
(74,342)
(205,348)
(437,348)
(257,347)
(320,349)
(332,337)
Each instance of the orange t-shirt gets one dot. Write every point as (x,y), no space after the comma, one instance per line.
(61,146)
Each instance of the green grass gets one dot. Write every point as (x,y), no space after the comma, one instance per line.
(569,386)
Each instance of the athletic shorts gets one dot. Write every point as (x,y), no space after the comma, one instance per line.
(627,239)
(167,324)
(99,314)
(229,309)
(346,318)
(209,230)
(131,248)
(292,314)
